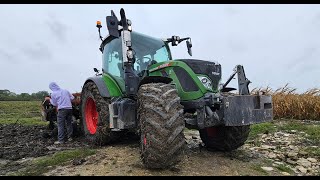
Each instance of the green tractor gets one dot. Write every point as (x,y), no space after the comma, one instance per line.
(142,89)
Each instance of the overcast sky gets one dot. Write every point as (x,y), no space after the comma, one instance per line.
(276,44)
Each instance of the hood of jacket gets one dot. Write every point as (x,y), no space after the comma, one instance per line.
(54,86)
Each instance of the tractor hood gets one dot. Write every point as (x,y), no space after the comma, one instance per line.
(208,68)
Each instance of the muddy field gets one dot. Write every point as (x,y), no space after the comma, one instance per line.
(276,153)
(19,143)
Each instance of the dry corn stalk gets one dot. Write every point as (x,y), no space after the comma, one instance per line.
(287,103)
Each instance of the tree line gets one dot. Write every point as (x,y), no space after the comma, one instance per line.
(6,95)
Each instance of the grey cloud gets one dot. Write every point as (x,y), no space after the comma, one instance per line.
(316,19)
(305,62)
(231,11)
(306,55)
(275,43)
(236,46)
(6,56)
(39,51)
(58,29)
(310,67)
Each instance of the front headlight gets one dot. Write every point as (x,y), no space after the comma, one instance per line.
(206,82)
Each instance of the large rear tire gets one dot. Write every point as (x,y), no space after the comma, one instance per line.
(224,138)
(161,125)
(95,116)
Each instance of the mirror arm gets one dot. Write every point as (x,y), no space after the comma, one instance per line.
(175,40)
(183,39)
(100,35)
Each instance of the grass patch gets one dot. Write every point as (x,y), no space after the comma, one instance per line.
(313,131)
(314,151)
(284,168)
(15,109)
(24,121)
(44,164)
(261,129)
(257,167)
(292,125)
(26,112)
(267,162)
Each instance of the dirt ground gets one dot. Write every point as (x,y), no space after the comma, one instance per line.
(22,143)
(123,160)
(19,143)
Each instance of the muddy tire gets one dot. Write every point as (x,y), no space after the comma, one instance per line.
(94,119)
(224,138)
(161,125)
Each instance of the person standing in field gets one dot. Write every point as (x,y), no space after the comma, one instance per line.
(61,98)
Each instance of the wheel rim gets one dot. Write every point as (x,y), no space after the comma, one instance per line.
(212,131)
(91,116)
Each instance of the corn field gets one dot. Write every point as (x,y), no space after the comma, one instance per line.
(291,105)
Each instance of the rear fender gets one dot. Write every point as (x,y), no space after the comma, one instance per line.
(107,85)
(102,87)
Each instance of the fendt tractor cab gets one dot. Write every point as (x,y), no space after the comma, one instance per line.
(142,89)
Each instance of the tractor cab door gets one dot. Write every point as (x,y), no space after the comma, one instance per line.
(112,58)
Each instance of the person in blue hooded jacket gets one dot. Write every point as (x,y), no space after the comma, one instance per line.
(61,98)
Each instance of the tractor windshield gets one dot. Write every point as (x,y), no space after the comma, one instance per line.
(146,49)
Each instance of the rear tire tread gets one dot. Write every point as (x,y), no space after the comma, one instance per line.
(103,134)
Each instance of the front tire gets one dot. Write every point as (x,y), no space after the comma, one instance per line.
(161,125)
(95,116)
(224,138)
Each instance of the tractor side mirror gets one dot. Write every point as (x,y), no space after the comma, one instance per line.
(189,45)
(112,25)
(96,71)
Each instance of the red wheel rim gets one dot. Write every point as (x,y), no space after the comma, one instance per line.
(91,116)
(212,131)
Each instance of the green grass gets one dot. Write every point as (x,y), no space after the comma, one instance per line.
(15,109)
(292,125)
(44,164)
(21,112)
(260,129)
(284,168)
(313,131)
(23,121)
(314,151)
(257,167)
(267,162)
